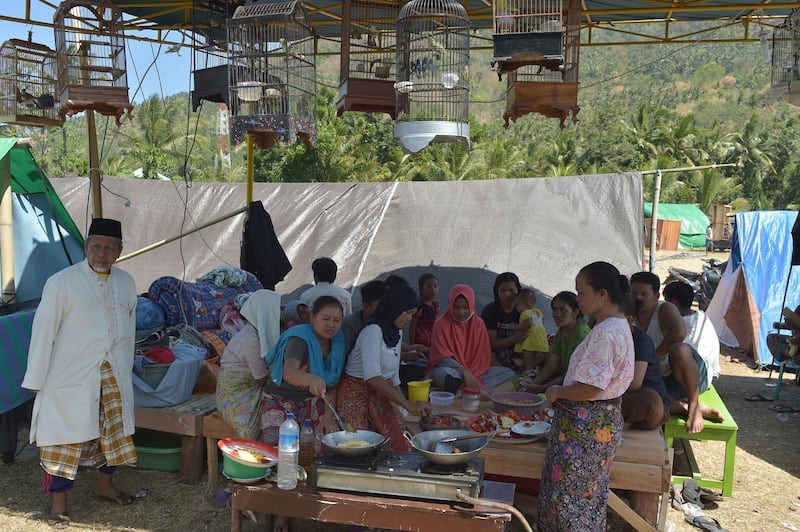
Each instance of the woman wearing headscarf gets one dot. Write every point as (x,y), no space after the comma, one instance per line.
(243,372)
(461,354)
(369,395)
(305,366)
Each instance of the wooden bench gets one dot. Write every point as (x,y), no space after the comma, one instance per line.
(214,429)
(186,420)
(724,431)
(642,468)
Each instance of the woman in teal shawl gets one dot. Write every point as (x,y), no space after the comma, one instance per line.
(305,366)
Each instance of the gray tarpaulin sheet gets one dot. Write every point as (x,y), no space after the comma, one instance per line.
(544,229)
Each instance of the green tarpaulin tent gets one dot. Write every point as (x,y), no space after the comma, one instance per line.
(693,222)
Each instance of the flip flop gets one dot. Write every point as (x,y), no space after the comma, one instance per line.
(122,498)
(782,408)
(691,492)
(706,522)
(58,521)
(756,397)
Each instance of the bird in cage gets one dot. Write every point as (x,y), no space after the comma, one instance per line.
(44,101)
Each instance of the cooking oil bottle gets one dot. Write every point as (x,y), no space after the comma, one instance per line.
(307,446)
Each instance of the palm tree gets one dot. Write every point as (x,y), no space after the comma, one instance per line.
(749,152)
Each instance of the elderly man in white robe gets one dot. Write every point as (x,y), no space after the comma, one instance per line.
(79,364)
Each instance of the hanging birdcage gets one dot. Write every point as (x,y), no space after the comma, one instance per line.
(546,88)
(785,81)
(272,74)
(210,75)
(432,87)
(527,32)
(28,85)
(367,68)
(90,51)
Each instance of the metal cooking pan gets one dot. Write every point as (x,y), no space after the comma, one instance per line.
(425,440)
(333,439)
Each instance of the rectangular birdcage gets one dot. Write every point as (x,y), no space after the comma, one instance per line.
(546,87)
(527,30)
(367,60)
(272,72)
(90,52)
(785,51)
(28,84)
(210,75)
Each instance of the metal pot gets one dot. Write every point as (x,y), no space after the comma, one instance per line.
(424,441)
(333,439)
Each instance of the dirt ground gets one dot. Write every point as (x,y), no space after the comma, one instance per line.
(766,495)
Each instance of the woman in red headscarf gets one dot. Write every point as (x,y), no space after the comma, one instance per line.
(461,355)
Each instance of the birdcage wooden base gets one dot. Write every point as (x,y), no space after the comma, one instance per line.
(549,63)
(554,100)
(507,46)
(367,95)
(108,101)
(31,120)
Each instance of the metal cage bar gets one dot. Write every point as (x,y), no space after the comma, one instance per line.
(28,85)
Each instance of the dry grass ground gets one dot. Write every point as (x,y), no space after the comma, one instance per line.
(766,495)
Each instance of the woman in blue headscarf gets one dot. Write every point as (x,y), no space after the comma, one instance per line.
(370,390)
(305,365)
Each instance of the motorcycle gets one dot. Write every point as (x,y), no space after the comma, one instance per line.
(704,283)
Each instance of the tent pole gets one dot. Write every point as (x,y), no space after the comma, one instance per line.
(94,167)
(654,221)
(249,168)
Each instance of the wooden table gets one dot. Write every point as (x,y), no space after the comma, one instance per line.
(642,467)
(186,420)
(364,510)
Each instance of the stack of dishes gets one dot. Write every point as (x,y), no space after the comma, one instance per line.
(246,461)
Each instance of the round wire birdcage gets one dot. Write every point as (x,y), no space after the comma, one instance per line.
(432,86)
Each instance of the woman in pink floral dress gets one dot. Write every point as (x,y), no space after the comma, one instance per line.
(587,424)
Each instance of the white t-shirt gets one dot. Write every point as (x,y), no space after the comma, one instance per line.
(701,335)
(327,289)
(371,358)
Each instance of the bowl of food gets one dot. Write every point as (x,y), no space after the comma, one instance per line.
(441,399)
(524,403)
(246,460)
(352,443)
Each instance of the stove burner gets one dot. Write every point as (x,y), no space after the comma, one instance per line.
(441,469)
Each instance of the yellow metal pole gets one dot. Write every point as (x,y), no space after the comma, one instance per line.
(249,168)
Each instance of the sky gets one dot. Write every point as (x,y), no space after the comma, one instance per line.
(170,73)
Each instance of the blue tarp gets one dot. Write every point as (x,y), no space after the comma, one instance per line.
(761,251)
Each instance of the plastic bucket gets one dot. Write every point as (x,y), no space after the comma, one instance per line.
(418,390)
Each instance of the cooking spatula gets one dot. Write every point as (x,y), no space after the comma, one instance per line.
(347,427)
(445,446)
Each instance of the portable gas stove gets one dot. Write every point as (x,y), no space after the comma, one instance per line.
(399,474)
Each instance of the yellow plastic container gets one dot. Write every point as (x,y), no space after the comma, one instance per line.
(419,390)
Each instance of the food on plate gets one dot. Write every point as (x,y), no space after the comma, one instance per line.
(489,421)
(456,450)
(353,443)
(249,455)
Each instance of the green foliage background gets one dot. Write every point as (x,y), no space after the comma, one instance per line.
(643,107)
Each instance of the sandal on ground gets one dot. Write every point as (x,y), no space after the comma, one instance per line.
(122,498)
(691,492)
(57,521)
(706,522)
(756,397)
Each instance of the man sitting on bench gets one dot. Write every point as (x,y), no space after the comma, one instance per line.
(685,373)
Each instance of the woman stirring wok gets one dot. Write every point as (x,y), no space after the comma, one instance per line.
(587,424)
(370,390)
(306,364)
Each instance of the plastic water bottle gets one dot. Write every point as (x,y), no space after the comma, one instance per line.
(288,448)
(307,446)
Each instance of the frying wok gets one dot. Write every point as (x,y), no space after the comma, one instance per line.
(333,439)
(427,440)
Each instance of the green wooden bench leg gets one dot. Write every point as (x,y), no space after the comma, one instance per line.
(730,455)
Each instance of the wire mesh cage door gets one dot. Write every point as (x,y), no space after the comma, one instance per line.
(367,68)
(272,74)
(28,85)
(90,53)
(432,86)
(546,87)
(785,79)
(210,75)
